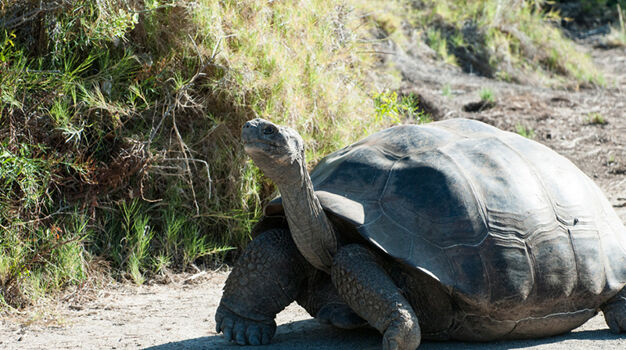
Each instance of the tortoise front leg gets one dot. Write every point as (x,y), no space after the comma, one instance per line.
(615,312)
(265,279)
(269,275)
(363,283)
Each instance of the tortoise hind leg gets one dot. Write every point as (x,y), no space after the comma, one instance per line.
(615,312)
(363,283)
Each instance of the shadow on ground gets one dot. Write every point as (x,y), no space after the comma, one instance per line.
(301,335)
(309,335)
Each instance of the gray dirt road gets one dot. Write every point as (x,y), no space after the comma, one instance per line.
(180,315)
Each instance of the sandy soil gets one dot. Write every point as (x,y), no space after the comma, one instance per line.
(180,314)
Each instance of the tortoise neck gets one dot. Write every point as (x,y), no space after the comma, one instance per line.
(310,228)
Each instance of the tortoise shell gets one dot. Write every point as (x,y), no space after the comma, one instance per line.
(498,219)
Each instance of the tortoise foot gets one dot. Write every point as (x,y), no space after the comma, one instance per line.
(403,333)
(615,313)
(243,330)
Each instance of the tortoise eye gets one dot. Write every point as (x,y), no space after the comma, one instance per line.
(268,130)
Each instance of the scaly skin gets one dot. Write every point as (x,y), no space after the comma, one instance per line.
(362,282)
(615,312)
(268,276)
(321,300)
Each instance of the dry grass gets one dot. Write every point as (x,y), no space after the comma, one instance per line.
(511,40)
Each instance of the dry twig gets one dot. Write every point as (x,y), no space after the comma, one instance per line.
(29,16)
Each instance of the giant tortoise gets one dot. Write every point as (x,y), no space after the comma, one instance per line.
(450,230)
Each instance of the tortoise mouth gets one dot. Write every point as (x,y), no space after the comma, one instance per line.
(258,143)
(261,147)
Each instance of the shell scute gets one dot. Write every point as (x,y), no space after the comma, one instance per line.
(590,261)
(445,214)
(348,174)
(509,269)
(470,266)
(554,263)
(498,174)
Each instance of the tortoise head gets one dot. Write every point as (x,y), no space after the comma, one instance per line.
(277,150)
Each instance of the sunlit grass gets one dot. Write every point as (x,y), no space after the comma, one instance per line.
(516,38)
(487,95)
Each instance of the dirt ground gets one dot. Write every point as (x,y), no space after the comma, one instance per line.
(180,314)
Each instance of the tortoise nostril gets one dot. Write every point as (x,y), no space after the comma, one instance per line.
(250,124)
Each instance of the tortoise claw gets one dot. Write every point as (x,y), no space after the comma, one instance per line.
(254,334)
(402,334)
(242,330)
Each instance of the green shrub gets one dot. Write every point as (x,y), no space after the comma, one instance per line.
(487,95)
(595,118)
(388,106)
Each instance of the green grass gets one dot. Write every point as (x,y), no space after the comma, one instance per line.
(595,118)
(390,107)
(438,42)
(38,260)
(487,95)
(525,131)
